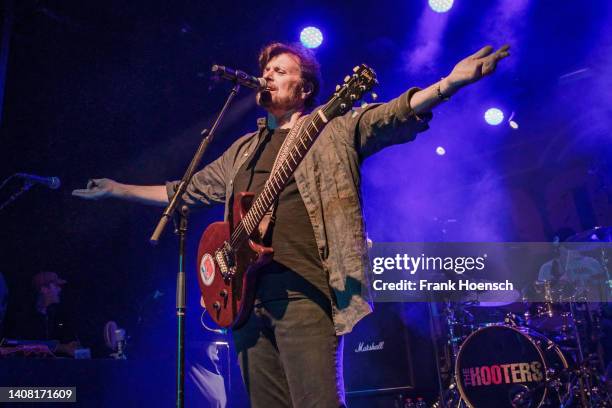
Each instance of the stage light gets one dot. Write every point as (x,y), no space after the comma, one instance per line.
(494,116)
(440,151)
(512,123)
(311,37)
(441,6)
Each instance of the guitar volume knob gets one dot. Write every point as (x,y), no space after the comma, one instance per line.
(216,305)
(223,293)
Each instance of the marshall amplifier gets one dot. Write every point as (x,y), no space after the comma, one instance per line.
(377,353)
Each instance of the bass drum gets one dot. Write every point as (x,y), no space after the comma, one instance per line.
(502,366)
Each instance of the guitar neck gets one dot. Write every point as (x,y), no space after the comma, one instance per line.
(279,179)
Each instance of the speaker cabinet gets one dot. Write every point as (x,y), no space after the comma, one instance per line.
(377,353)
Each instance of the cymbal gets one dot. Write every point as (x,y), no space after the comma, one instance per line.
(490,298)
(592,237)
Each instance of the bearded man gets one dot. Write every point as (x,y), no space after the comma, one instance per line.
(290,348)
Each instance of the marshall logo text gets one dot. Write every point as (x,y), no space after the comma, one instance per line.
(362,347)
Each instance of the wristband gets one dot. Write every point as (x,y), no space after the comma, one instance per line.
(439,92)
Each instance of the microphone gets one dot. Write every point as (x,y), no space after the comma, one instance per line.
(52,182)
(239,76)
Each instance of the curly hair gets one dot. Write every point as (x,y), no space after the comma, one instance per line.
(309,66)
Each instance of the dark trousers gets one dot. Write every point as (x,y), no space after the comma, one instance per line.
(290,356)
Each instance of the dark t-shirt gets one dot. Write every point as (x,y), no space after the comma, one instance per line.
(54,325)
(296,270)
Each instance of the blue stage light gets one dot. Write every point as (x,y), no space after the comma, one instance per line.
(441,6)
(440,151)
(311,37)
(494,116)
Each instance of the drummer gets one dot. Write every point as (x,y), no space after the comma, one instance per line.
(571,266)
(581,273)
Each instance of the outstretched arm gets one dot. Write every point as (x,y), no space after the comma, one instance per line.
(98,189)
(206,188)
(467,71)
(399,120)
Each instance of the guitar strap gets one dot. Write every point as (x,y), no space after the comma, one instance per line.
(269,218)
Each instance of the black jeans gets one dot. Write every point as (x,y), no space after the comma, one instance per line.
(290,356)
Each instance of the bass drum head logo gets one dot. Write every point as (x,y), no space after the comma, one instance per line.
(207,269)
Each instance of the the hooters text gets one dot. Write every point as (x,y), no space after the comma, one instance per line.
(496,374)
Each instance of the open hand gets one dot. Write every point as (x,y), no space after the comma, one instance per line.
(97,189)
(476,66)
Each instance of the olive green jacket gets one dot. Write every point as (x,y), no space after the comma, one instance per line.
(329,182)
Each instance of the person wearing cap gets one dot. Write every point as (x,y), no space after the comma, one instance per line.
(48,286)
(46,320)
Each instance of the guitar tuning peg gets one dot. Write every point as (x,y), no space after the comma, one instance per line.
(347,78)
(356,68)
(374,96)
(337,88)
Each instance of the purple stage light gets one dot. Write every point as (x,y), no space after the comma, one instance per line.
(440,151)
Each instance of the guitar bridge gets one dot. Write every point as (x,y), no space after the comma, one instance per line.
(225,259)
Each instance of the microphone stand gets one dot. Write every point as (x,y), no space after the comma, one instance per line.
(26,186)
(181,232)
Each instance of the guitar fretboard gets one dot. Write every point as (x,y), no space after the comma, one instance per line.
(277,181)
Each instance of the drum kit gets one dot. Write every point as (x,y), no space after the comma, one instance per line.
(525,354)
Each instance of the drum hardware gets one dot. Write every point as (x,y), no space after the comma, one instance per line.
(511,319)
(557,382)
(458,320)
(570,378)
(520,397)
(562,333)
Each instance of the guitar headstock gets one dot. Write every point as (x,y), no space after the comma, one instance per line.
(361,81)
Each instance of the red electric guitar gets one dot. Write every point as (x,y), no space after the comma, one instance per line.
(229,256)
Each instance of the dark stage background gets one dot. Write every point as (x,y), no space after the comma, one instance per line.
(121,90)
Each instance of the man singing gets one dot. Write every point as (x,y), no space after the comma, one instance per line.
(290,349)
